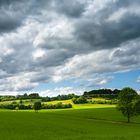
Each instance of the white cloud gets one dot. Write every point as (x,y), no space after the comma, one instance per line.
(61,91)
(17,82)
(38,53)
(55,31)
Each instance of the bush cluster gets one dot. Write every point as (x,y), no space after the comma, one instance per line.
(80,100)
(43,106)
(14,106)
(105,102)
(56,106)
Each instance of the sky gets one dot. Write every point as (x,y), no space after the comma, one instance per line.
(68,46)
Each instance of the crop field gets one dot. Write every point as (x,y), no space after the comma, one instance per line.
(99,122)
(31,101)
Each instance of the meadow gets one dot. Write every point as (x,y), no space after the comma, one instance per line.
(83,122)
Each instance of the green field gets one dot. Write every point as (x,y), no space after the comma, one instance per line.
(31,101)
(86,122)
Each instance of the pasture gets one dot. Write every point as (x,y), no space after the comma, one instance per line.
(84,122)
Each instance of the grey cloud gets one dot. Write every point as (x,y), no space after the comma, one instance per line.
(92,31)
(12,14)
(18,61)
(77,41)
(43,75)
(129,54)
(52,58)
(102,62)
(124,3)
(8,23)
(95,30)
(70,8)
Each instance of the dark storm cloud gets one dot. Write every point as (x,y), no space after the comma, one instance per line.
(108,35)
(124,3)
(8,23)
(95,28)
(12,13)
(70,8)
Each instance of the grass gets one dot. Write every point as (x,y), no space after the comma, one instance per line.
(75,106)
(31,101)
(8,102)
(86,106)
(80,106)
(25,102)
(63,101)
(98,99)
(82,123)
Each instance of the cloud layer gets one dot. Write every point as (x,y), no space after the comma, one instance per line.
(55,40)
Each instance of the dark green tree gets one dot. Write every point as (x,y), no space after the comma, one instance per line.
(20,101)
(80,100)
(126,100)
(37,106)
(137,107)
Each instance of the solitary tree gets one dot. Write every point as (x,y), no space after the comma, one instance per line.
(126,103)
(37,106)
(20,101)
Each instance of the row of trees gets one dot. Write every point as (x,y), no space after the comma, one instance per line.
(104,93)
(83,100)
(36,96)
(20,97)
(35,106)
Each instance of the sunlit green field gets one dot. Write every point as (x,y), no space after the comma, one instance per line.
(75,106)
(99,122)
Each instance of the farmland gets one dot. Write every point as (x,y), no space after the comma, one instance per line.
(83,122)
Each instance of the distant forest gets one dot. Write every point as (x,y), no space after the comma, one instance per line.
(104,93)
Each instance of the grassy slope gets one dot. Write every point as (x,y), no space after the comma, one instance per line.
(81,106)
(75,106)
(51,102)
(72,124)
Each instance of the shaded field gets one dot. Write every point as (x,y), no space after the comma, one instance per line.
(71,124)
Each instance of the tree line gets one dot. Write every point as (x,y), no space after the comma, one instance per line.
(104,93)
(36,106)
(37,96)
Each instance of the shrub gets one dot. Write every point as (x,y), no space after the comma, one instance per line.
(37,106)
(57,106)
(21,106)
(105,102)
(80,100)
